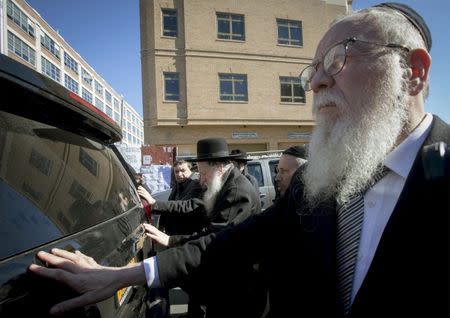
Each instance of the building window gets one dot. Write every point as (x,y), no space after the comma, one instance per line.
(108,97)
(290,32)
(169,22)
(50,69)
(98,88)
(70,83)
(116,105)
(109,111)
(88,162)
(98,104)
(291,90)
(117,117)
(79,192)
(21,49)
(20,18)
(40,162)
(171,86)
(50,45)
(233,87)
(230,26)
(70,62)
(31,192)
(87,95)
(86,77)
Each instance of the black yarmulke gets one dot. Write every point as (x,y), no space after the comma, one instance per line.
(296,151)
(413,17)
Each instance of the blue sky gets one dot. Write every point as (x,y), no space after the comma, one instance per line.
(106,34)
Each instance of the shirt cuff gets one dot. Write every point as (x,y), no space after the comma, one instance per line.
(151,272)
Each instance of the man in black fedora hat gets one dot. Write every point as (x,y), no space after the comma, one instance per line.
(229,198)
(240,162)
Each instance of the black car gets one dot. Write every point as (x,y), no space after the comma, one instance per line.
(62,184)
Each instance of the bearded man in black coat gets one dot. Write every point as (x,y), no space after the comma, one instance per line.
(229,199)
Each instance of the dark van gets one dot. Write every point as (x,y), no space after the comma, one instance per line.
(62,184)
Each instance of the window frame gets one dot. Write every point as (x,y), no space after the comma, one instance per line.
(71,84)
(18,47)
(289,25)
(88,162)
(232,78)
(229,18)
(99,89)
(289,80)
(176,97)
(50,69)
(87,95)
(86,77)
(50,45)
(70,62)
(108,97)
(165,12)
(99,103)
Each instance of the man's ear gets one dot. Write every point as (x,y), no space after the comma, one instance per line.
(419,66)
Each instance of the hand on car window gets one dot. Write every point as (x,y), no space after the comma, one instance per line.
(78,271)
(156,235)
(145,195)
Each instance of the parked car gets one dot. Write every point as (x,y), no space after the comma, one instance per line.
(263,168)
(62,184)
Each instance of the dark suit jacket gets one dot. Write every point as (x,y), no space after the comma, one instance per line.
(235,202)
(184,223)
(408,276)
(188,189)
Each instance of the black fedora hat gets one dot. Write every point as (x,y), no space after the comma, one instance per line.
(241,155)
(212,149)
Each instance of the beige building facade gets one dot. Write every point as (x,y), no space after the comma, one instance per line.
(229,68)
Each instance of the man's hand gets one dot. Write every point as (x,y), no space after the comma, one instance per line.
(145,195)
(80,272)
(156,235)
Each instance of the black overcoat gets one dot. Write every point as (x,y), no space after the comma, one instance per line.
(236,201)
(184,223)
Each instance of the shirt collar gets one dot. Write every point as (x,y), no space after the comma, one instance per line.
(401,159)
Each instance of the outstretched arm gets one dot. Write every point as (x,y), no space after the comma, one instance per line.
(80,272)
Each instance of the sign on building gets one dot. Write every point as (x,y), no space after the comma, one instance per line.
(244,135)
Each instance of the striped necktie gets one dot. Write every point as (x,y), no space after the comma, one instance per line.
(350,217)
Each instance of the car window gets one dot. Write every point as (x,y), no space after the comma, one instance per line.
(273,164)
(255,170)
(54,183)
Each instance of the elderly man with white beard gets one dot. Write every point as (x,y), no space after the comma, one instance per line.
(228,199)
(363,229)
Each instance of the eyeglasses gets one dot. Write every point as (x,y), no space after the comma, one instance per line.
(334,60)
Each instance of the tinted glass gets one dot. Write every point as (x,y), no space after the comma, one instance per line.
(54,183)
(273,164)
(255,170)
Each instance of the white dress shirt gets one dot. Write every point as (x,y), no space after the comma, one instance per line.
(380,200)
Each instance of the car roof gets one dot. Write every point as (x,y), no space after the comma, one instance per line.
(30,94)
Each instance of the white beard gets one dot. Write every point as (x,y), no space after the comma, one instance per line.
(346,152)
(212,190)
